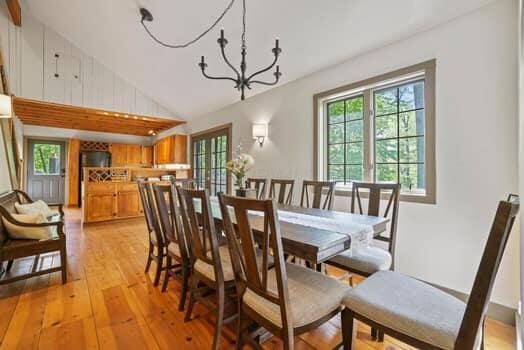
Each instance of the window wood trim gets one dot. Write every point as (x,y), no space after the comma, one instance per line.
(428,67)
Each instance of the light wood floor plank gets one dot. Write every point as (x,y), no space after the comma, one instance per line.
(110,303)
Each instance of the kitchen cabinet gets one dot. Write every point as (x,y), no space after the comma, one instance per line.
(128,201)
(147,156)
(180,149)
(118,154)
(133,154)
(171,149)
(100,206)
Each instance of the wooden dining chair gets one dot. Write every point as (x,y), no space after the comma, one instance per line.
(259,185)
(156,239)
(312,194)
(287,299)
(210,262)
(284,188)
(366,261)
(422,315)
(177,260)
(188,184)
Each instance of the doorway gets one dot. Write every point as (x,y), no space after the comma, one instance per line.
(210,151)
(46,170)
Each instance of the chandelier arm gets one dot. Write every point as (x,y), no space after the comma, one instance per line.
(263,70)
(229,63)
(263,82)
(219,78)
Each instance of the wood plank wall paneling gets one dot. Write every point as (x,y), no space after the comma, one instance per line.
(73,173)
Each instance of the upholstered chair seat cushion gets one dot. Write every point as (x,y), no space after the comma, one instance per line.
(312,295)
(152,238)
(209,271)
(409,306)
(174,249)
(369,259)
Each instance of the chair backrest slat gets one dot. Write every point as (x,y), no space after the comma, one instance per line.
(198,224)
(317,188)
(285,190)
(251,272)
(259,186)
(150,212)
(169,216)
(489,264)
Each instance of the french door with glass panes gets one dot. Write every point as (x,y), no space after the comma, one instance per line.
(209,153)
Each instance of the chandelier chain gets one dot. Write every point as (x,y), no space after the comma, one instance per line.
(191,42)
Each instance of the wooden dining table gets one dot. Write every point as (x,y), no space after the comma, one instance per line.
(312,244)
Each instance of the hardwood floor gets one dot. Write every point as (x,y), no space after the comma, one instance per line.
(109,303)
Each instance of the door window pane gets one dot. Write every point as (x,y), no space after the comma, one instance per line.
(46,159)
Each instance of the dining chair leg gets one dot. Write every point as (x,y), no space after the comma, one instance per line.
(63,264)
(169,262)
(193,286)
(373,333)
(185,285)
(380,336)
(9,265)
(220,317)
(288,341)
(148,263)
(159,265)
(348,329)
(240,327)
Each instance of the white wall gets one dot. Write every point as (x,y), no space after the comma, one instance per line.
(476,141)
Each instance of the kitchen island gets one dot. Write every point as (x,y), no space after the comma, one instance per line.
(112,193)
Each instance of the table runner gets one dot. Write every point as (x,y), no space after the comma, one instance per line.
(361,235)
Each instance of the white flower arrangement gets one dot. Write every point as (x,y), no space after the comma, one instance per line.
(239,166)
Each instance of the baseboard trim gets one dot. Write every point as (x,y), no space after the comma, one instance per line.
(496,311)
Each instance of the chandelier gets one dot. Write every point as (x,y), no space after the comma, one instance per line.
(241,78)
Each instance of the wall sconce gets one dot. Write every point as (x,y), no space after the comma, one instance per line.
(6,108)
(260,133)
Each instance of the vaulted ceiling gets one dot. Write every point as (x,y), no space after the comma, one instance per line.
(314,34)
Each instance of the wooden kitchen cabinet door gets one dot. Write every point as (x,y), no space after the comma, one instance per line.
(180,149)
(100,206)
(134,154)
(118,154)
(147,155)
(128,203)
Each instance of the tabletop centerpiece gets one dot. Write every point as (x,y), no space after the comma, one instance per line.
(239,166)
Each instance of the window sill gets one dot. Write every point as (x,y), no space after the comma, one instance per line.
(406,196)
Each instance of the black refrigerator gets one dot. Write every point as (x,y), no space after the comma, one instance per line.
(91,159)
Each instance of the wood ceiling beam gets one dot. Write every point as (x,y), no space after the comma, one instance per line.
(33,112)
(15,11)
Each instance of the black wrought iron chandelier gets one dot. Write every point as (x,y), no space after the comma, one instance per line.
(241,79)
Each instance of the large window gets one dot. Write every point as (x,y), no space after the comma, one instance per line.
(380,130)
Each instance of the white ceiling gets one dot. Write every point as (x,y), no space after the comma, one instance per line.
(314,34)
